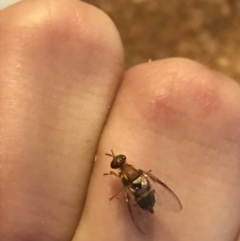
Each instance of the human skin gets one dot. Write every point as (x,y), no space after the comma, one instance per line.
(65,101)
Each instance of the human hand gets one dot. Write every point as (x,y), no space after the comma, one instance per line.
(64,97)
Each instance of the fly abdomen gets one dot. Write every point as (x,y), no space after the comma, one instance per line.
(145,199)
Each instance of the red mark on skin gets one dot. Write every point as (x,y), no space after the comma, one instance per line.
(166,111)
(194,101)
(205,98)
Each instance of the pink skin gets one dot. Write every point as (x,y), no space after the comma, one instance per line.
(61,66)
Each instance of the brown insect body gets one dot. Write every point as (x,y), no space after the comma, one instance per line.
(139,186)
(139,192)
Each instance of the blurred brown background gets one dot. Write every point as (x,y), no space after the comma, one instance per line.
(207,31)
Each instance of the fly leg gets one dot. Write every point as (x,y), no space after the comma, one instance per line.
(118,195)
(111,173)
(146,173)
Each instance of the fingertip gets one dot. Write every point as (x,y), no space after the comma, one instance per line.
(66,18)
(177,87)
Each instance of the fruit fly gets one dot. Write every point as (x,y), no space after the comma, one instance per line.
(139,193)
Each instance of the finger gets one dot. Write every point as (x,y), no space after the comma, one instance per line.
(6,3)
(181,120)
(61,62)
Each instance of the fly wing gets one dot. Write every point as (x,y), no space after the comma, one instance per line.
(165,197)
(140,217)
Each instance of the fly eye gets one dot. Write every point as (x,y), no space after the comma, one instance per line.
(118,161)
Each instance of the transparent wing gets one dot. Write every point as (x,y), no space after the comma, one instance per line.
(140,217)
(165,197)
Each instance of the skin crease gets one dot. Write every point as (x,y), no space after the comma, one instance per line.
(60,103)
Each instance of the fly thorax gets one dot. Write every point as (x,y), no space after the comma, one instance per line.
(137,183)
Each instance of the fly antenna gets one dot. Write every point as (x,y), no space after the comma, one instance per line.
(111,155)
